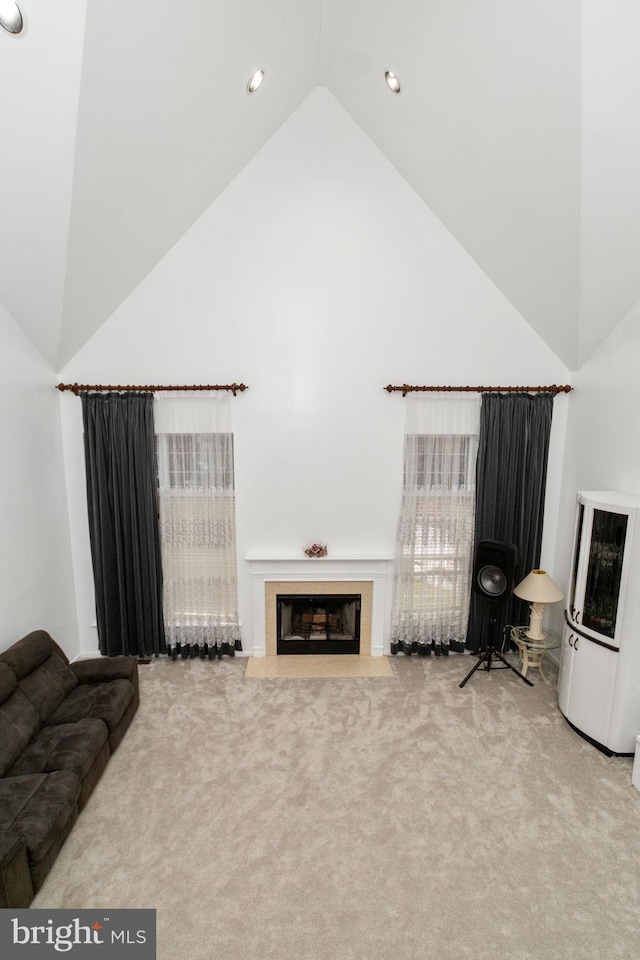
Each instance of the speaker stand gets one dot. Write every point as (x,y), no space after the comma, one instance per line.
(490,655)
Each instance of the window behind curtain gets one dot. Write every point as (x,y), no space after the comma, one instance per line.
(194,461)
(197,528)
(435,531)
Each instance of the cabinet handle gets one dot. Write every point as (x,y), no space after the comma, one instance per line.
(570,639)
(575,643)
(577,616)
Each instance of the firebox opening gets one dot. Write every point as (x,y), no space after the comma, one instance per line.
(318,623)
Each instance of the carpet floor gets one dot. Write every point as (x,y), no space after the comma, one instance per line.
(394,818)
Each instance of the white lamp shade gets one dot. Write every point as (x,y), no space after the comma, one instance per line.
(538,587)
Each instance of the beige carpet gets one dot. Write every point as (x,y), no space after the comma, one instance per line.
(308,666)
(391,819)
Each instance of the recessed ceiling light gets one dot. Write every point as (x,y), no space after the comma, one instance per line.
(10,16)
(255,80)
(392,81)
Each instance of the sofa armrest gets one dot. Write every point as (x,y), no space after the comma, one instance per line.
(16,886)
(99,670)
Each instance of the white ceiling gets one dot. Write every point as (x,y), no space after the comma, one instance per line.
(518,123)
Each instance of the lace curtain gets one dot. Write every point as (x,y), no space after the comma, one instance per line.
(197,517)
(434,546)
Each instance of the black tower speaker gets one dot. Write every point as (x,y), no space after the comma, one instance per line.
(494,571)
(494,574)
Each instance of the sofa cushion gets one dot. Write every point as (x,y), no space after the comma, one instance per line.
(28,653)
(16,884)
(19,723)
(67,746)
(38,807)
(48,685)
(101,669)
(43,674)
(102,701)
(8,681)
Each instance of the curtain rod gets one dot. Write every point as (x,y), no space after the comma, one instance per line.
(405,389)
(101,387)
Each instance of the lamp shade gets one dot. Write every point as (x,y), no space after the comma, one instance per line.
(538,587)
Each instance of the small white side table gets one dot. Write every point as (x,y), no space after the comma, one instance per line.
(532,652)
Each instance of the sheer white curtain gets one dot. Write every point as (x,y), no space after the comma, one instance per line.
(197,516)
(434,547)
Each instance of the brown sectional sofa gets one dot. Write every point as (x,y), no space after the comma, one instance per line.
(59,724)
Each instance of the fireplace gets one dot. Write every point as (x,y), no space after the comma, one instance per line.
(305,589)
(318,623)
(367,577)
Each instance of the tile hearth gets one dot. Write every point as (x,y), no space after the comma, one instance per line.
(333,667)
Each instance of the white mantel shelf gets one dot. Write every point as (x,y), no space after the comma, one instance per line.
(296,558)
(296,567)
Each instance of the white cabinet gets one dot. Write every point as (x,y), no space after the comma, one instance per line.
(586,691)
(599,680)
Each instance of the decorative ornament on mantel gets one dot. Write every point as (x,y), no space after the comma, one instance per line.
(316,550)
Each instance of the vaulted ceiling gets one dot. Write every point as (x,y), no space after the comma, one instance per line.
(518,124)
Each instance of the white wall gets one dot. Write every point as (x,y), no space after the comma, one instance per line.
(487,129)
(317,278)
(603,429)
(39,74)
(610,186)
(36,585)
(170,129)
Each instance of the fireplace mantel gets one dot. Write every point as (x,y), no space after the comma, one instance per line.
(376,569)
(296,558)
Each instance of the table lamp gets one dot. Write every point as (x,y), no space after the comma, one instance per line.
(538,587)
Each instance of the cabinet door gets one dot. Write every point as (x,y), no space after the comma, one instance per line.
(591,688)
(575,565)
(566,669)
(604,555)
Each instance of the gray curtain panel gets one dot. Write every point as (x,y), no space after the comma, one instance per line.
(120,458)
(511,476)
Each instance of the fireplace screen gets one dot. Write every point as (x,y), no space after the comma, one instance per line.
(322,623)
